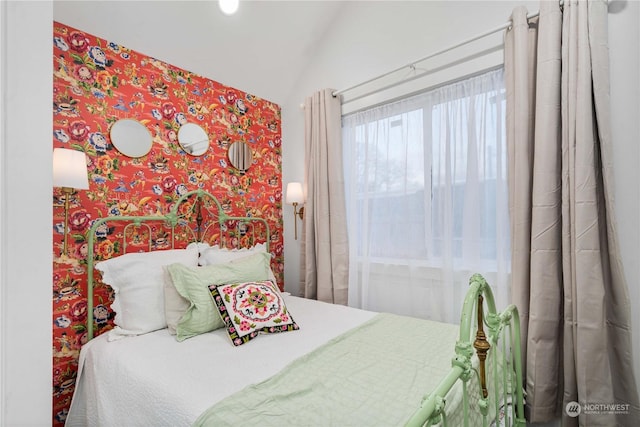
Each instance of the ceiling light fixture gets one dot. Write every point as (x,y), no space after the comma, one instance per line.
(229,7)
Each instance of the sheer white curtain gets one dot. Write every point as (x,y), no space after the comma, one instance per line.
(426,197)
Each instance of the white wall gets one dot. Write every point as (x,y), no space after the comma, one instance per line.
(26,214)
(624,58)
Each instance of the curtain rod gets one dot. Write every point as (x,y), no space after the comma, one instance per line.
(412,65)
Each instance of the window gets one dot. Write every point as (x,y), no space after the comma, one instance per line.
(426,181)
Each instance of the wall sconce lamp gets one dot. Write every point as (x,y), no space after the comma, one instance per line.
(294,197)
(69,173)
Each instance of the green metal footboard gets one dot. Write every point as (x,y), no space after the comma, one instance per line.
(500,398)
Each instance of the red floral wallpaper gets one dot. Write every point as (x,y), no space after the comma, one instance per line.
(96,83)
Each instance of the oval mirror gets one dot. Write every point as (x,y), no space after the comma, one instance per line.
(193,139)
(131,138)
(240,155)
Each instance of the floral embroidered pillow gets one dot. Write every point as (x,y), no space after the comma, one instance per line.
(250,308)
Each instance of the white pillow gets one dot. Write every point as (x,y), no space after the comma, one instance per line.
(215,255)
(138,282)
(198,245)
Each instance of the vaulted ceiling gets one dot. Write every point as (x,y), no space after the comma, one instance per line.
(262,49)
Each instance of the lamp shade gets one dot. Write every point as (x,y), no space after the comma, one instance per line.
(294,193)
(70,169)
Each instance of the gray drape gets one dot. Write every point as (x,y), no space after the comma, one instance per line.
(532,78)
(567,277)
(325,254)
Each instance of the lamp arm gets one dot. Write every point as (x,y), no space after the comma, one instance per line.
(297,213)
(67,191)
(295,220)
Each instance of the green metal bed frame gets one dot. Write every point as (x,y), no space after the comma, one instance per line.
(176,217)
(503,329)
(503,333)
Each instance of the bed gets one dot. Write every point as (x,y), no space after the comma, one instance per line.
(204,337)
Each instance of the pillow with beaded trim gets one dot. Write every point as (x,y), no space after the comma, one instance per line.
(250,308)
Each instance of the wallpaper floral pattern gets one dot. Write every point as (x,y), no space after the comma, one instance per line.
(96,83)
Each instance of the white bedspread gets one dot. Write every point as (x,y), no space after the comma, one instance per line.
(153,380)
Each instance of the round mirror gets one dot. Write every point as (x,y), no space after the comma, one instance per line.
(193,139)
(131,138)
(240,155)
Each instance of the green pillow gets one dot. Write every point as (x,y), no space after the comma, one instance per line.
(193,285)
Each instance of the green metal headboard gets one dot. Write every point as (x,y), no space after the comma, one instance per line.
(502,328)
(174,218)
